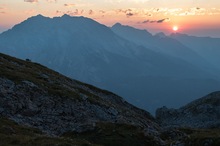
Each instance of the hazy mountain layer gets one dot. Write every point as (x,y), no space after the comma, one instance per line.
(207,47)
(90,52)
(170,46)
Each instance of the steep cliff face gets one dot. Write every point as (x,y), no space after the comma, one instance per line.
(201,113)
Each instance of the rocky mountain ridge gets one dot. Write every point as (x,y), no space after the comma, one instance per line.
(201,113)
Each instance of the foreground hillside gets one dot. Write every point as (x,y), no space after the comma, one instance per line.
(41,98)
(41,107)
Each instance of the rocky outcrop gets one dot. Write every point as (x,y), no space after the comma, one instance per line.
(33,95)
(201,113)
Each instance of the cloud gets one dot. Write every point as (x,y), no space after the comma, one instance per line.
(36,1)
(72,13)
(91,12)
(191,11)
(156,21)
(3,9)
(129,14)
(153,21)
(69,5)
(163,20)
(101,11)
(76,12)
(146,21)
(51,1)
(149,14)
(118,11)
(30,11)
(58,12)
(31,1)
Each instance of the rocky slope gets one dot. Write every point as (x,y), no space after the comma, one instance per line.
(41,107)
(201,113)
(33,95)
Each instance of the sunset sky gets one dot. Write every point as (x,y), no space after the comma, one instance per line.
(196,17)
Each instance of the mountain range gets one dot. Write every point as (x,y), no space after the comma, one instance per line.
(206,47)
(149,71)
(168,45)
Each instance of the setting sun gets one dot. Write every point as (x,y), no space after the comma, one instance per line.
(175,28)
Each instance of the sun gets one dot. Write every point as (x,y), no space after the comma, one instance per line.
(175,28)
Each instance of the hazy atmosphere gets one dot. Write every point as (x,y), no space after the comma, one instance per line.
(110,72)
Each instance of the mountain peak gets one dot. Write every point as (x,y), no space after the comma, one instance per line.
(38,16)
(117,24)
(65,16)
(120,29)
(178,34)
(160,34)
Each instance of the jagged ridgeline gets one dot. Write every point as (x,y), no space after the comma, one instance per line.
(40,98)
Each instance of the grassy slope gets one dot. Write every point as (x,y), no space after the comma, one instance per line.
(12,134)
(202,136)
(109,134)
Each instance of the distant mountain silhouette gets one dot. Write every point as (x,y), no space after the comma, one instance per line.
(83,49)
(165,44)
(206,47)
